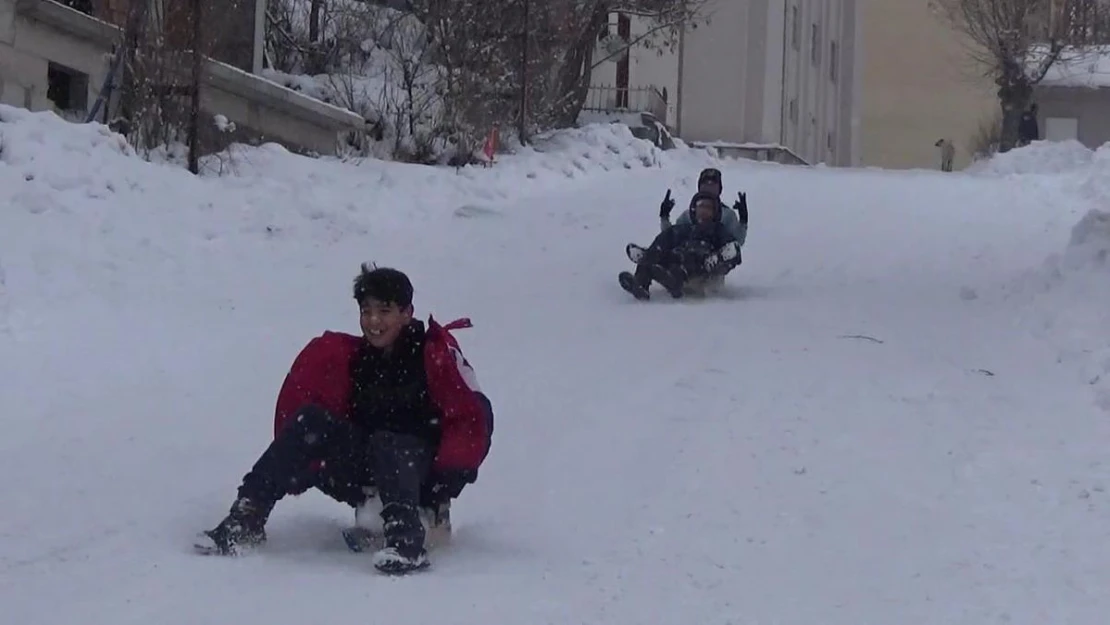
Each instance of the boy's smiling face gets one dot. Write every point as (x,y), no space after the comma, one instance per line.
(382,322)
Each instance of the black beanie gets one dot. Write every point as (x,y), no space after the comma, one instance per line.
(710,174)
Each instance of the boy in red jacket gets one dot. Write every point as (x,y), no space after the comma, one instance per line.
(387,412)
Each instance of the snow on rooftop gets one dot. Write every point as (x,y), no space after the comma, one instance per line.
(1087,67)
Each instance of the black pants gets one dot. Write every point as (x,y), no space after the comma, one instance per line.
(352,458)
(685,262)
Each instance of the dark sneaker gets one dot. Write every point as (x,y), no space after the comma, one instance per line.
(629,283)
(404,540)
(243,529)
(392,561)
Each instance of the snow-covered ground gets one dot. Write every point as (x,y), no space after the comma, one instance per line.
(887,419)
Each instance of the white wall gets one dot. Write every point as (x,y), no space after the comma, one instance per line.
(650,68)
(773,93)
(818,105)
(646,67)
(715,75)
(744,78)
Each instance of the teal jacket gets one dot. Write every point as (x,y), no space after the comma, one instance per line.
(728,218)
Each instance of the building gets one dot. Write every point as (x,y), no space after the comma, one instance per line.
(919,85)
(59,56)
(760,73)
(1073,99)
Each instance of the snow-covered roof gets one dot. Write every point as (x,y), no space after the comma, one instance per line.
(1086,67)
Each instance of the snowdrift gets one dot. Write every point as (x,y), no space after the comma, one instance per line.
(1041,157)
(1066,298)
(88,221)
(1068,301)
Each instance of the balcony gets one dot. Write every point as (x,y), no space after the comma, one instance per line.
(612,99)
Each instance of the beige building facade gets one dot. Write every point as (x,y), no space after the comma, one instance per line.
(919,86)
(760,73)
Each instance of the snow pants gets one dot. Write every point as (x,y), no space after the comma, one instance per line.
(687,262)
(351,458)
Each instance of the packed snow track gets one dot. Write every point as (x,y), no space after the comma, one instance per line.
(860,430)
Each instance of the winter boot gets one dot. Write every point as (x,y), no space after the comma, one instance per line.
(629,283)
(670,279)
(244,528)
(404,541)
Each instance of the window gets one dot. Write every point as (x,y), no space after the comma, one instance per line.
(795,28)
(68,89)
(84,6)
(834,60)
(1061,128)
(829,141)
(814,42)
(794,110)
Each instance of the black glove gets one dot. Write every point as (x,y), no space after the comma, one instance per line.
(666,206)
(741,207)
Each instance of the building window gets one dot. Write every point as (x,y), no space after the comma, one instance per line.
(813,44)
(84,6)
(829,141)
(794,110)
(795,28)
(68,89)
(834,60)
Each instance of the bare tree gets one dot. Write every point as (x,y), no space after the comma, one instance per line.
(1017,42)
(455,69)
(578,26)
(163,52)
(527,63)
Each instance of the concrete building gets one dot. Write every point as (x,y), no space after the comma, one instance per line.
(57,57)
(1073,99)
(919,86)
(761,73)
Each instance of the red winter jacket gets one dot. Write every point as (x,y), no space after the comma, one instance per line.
(321,375)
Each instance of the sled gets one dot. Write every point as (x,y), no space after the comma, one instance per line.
(366,534)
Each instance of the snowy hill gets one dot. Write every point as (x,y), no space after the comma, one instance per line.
(888,418)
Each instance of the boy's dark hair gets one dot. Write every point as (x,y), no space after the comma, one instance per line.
(383,284)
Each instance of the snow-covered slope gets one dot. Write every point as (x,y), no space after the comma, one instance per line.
(1066,297)
(864,429)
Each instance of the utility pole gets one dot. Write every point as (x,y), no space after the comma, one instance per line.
(194,94)
(523,123)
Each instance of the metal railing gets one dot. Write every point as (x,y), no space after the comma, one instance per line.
(753,151)
(610,98)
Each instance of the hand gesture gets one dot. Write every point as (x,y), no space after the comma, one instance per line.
(741,207)
(666,206)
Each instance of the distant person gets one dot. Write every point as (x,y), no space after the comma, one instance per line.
(947,153)
(1028,131)
(701,250)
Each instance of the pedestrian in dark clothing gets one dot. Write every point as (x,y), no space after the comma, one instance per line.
(1028,129)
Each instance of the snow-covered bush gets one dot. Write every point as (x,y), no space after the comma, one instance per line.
(373,60)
